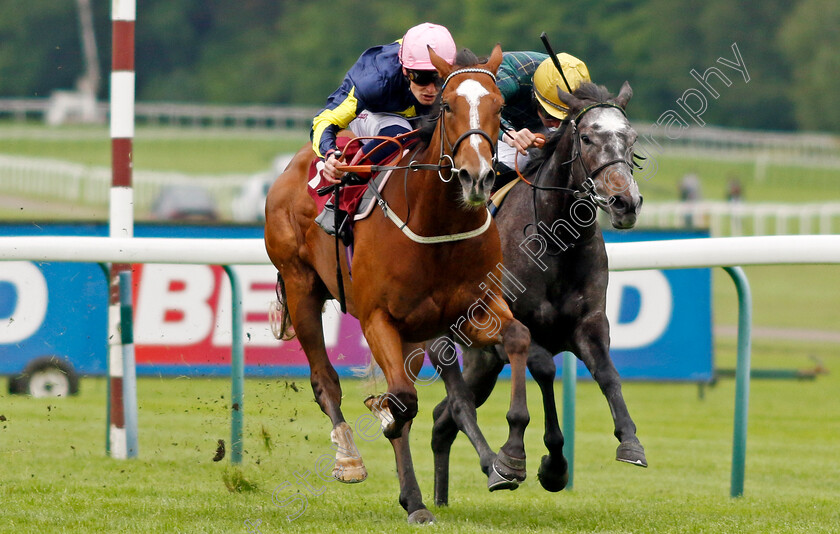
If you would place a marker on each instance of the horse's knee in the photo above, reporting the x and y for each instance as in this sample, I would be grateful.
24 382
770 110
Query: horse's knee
325 382
462 406
403 404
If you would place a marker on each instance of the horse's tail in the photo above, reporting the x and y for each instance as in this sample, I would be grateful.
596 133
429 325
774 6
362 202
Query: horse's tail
370 373
278 314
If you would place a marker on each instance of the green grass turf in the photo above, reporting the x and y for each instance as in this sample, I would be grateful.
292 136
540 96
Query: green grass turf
784 296
57 479
776 183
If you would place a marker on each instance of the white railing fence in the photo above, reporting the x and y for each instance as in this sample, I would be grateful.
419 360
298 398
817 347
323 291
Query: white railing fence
740 218
58 109
88 185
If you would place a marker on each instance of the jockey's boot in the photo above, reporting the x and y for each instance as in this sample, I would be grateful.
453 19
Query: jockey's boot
326 219
333 220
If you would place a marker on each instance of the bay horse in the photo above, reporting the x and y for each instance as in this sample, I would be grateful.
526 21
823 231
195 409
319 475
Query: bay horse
411 280
552 242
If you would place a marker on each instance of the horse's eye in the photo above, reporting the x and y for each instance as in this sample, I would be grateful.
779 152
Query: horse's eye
586 140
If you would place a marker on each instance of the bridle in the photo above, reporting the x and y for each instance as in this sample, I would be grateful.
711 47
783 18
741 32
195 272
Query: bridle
413 165
453 147
444 155
587 188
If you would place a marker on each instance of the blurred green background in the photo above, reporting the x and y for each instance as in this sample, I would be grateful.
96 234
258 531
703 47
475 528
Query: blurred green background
295 53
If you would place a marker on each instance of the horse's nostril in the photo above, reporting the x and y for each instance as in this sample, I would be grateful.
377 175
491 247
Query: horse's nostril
618 203
641 200
489 178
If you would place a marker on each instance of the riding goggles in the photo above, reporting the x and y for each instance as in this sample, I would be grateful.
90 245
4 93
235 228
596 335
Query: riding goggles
423 77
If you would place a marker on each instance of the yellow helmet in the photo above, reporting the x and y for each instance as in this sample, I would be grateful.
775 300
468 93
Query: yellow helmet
547 80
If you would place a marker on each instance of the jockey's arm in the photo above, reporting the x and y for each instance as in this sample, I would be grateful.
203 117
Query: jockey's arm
342 108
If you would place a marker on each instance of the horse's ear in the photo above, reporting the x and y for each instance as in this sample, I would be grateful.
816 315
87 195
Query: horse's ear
495 59
624 95
571 101
443 68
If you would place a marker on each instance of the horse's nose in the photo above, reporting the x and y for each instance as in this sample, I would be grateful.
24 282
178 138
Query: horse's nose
487 178
621 205
482 178
477 184
618 204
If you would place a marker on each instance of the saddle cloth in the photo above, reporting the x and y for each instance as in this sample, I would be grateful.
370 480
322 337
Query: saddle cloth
499 196
356 200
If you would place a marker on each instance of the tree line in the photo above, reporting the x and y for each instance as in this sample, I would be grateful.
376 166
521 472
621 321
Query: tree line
295 53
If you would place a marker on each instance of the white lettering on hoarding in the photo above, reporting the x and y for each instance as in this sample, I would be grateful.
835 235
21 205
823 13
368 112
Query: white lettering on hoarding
173 305
655 307
30 301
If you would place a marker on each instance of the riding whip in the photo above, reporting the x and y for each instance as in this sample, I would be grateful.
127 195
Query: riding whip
553 57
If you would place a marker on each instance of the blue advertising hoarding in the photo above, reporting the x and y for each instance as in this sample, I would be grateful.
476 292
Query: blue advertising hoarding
661 323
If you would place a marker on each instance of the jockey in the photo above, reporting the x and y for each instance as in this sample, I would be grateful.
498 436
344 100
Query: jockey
387 87
528 82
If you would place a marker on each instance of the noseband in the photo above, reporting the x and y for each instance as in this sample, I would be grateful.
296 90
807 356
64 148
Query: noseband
453 148
587 188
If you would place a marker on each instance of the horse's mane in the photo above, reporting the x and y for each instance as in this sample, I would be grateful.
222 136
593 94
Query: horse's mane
464 58
592 92
587 93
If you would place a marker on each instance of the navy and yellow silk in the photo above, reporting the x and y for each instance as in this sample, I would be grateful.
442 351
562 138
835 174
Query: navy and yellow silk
374 83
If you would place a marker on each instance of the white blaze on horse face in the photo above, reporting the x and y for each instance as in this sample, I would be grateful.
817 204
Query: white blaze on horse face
472 91
611 120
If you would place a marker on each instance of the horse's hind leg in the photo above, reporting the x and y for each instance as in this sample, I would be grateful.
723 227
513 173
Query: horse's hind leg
554 470
456 411
305 302
592 340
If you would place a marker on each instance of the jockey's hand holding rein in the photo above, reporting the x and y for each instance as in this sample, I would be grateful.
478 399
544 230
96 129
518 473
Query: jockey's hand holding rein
330 172
522 139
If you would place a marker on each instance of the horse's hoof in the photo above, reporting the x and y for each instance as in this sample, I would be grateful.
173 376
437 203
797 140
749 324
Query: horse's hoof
631 452
421 517
548 476
349 470
506 473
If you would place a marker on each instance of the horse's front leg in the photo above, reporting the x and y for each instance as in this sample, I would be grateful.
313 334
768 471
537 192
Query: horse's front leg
592 340
508 469
457 410
398 406
554 469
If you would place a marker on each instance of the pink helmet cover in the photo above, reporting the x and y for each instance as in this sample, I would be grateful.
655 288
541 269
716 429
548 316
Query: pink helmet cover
413 52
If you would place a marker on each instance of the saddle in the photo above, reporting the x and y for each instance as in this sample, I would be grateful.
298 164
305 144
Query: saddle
356 197
499 196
